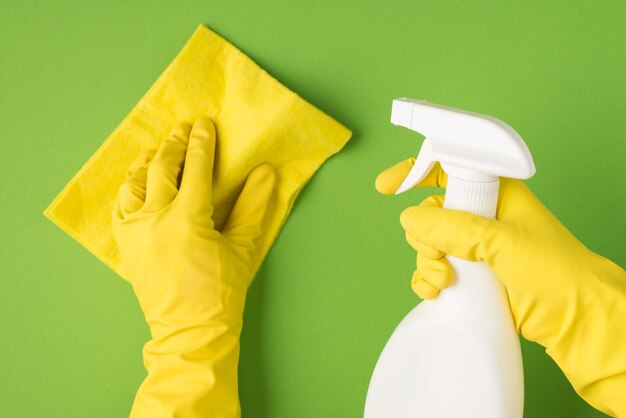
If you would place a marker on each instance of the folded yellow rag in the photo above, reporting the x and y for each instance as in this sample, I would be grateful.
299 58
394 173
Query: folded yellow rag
258 121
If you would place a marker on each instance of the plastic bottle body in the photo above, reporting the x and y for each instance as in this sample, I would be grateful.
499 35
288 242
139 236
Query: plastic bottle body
457 355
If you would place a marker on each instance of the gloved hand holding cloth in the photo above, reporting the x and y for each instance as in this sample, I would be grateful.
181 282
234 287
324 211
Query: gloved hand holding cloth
196 215
190 279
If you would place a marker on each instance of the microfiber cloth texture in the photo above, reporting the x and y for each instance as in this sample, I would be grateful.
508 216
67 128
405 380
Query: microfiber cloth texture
258 120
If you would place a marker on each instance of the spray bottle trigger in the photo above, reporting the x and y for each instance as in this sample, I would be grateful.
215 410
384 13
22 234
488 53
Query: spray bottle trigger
423 164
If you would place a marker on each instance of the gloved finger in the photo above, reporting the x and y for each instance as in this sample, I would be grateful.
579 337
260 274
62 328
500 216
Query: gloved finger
196 185
454 232
436 271
434 201
389 180
143 159
420 247
422 288
132 192
244 225
165 169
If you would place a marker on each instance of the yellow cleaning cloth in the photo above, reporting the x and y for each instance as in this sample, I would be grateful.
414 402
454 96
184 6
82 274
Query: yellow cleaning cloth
258 120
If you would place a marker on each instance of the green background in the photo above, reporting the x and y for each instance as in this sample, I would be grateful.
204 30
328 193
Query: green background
337 280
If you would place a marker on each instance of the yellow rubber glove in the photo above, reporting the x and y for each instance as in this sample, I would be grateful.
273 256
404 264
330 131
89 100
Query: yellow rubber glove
562 295
190 279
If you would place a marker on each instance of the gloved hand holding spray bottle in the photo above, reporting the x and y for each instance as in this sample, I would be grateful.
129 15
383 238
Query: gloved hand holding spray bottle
458 355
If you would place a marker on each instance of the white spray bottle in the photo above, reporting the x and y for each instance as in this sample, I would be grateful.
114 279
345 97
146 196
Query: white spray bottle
458 355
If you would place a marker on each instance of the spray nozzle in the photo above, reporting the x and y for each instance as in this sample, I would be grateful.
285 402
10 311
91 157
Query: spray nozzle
468 145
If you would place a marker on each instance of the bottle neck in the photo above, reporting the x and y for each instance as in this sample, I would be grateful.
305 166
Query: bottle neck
477 197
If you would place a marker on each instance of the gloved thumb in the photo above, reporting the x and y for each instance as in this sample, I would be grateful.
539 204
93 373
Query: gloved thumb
454 232
245 222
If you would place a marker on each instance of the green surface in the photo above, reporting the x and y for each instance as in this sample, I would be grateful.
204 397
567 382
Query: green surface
337 281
